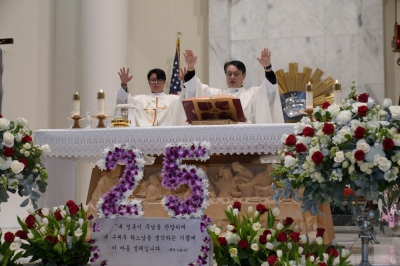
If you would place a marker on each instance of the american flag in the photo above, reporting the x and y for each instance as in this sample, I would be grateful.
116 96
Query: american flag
175 86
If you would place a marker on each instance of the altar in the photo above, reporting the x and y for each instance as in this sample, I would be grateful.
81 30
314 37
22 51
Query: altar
246 143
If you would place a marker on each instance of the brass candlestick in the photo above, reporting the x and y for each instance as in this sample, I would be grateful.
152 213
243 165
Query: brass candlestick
309 112
76 119
101 119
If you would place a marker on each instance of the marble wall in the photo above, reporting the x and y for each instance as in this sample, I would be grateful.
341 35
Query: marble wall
343 38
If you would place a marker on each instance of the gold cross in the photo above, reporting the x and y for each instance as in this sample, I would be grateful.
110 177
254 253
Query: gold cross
155 111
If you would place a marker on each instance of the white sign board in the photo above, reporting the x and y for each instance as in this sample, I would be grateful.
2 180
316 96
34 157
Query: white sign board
143 242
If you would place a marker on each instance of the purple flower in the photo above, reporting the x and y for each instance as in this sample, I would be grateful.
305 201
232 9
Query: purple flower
96 227
90 217
92 241
95 257
103 263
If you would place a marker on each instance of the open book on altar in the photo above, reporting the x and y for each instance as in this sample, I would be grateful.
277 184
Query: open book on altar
218 108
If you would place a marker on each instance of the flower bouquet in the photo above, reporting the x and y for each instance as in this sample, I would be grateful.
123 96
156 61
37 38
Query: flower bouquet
20 167
356 145
11 244
249 242
56 237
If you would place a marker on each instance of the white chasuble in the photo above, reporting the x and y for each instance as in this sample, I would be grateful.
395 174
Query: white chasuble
261 105
155 109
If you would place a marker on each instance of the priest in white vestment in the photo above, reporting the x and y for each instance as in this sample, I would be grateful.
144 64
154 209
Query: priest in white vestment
261 105
155 108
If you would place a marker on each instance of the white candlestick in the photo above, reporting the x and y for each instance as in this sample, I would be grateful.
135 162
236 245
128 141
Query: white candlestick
76 104
309 96
337 91
100 102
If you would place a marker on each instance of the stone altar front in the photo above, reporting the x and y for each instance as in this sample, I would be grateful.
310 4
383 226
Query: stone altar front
248 148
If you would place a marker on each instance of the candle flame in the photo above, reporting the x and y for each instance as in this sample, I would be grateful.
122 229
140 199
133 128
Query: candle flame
337 82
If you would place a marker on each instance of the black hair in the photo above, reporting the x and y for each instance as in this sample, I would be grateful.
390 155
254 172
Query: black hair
160 74
237 64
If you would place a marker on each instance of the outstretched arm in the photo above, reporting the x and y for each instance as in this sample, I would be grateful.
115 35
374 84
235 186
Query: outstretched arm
124 77
190 59
265 62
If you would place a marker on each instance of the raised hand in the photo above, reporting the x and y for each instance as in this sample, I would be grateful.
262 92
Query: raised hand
182 74
190 59
124 75
265 57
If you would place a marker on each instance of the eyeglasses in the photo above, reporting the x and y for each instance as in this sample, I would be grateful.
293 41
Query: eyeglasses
156 80
234 74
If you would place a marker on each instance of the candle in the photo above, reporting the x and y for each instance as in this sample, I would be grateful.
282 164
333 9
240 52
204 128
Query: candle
76 100
309 96
101 96
337 91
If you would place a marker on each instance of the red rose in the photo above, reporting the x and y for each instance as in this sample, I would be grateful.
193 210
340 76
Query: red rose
328 129
261 208
332 252
317 157
359 155
30 221
1 116
49 238
26 139
322 263
354 98
281 237
262 239
320 232
359 132
222 241
58 215
73 209
288 221
272 259
295 236
243 244
398 130
300 147
291 140
9 237
23 160
308 132
234 226
289 153
325 105
21 234
388 144
267 232
70 203
362 111
363 97
8 152
237 205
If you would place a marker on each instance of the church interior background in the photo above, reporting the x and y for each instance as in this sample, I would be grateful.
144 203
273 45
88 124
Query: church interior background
63 47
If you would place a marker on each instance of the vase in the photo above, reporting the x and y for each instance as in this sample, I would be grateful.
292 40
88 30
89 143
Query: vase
396 228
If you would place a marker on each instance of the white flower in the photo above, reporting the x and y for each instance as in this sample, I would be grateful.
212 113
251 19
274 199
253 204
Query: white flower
283 138
298 128
356 105
326 256
8 139
279 226
27 146
319 240
250 209
363 145
213 227
301 250
63 213
46 149
235 212
78 232
345 252
303 238
289 245
233 252
80 221
339 157
383 163
14 246
256 226
296 228
27 153
45 221
4 124
31 236
229 207
305 120
233 239
395 111
269 246
5 164
22 121
230 227
279 253
254 246
62 231
42 230
256 214
343 117
312 258
16 167
275 212
386 103
305 140
334 110
85 207
289 161
217 231
265 264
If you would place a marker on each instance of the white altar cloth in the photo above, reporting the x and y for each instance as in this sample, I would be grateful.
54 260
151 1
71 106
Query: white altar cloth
72 146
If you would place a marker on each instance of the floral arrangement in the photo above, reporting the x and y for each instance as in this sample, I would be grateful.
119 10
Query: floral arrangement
20 167
114 203
9 247
248 242
355 145
56 237
175 174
